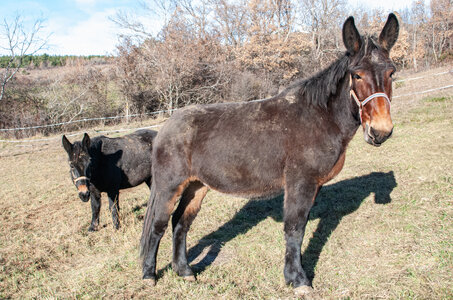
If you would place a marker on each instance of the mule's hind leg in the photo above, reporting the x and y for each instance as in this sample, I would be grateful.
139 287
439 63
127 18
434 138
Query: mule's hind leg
160 206
187 210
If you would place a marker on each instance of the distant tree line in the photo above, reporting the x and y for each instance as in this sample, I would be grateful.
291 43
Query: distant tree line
46 60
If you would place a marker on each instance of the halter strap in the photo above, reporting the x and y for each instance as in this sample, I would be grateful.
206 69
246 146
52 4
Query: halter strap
80 178
361 104
375 95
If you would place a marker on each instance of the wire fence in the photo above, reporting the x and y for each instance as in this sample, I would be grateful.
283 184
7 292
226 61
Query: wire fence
79 133
421 77
424 92
169 111
87 120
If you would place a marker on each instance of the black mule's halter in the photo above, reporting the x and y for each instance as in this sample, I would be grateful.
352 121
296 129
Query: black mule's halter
78 178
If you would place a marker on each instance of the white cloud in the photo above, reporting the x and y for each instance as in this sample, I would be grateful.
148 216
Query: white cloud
95 35
86 2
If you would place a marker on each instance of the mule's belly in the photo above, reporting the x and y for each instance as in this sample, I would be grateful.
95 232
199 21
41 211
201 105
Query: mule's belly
243 181
257 169
337 167
245 170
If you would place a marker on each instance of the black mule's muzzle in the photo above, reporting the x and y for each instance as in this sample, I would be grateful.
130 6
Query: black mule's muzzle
82 184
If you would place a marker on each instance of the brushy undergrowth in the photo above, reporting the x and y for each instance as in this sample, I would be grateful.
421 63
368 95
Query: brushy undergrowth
382 229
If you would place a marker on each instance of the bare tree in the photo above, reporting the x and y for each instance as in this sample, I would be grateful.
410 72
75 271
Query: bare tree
441 26
230 20
132 21
19 43
323 18
418 18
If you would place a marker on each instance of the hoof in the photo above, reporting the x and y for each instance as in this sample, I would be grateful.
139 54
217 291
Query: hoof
150 281
190 278
305 292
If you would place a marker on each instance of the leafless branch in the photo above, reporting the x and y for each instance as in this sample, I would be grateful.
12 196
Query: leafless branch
21 42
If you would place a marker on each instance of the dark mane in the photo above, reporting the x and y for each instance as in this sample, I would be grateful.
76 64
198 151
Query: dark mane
317 89
369 45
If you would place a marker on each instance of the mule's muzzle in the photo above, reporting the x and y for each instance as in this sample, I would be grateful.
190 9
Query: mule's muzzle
84 192
376 137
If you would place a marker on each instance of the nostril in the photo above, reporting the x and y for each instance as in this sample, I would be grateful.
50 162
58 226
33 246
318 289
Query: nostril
373 133
379 136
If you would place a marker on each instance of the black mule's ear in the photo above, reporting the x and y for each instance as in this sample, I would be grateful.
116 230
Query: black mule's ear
351 36
86 141
389 33
66 144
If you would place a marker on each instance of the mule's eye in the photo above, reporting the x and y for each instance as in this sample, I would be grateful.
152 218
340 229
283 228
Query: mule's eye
356 76
391 74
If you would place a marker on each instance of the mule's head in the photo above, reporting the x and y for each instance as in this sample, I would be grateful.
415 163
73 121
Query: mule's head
371 71
80 164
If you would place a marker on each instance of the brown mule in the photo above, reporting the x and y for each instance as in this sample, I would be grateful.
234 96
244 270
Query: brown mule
293 143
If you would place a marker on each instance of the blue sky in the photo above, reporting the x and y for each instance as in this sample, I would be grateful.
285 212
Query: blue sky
80 27
83 27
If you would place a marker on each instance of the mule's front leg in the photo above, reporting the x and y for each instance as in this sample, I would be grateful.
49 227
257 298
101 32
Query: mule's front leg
299 198
114 207
95 209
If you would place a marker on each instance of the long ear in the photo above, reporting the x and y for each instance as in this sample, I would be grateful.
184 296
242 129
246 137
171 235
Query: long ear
351 36
86 141
389 33
66 144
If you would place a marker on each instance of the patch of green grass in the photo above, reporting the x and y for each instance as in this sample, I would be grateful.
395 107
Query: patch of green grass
437 99
399 84
429 110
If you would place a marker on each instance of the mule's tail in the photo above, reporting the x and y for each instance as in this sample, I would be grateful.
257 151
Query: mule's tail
146 233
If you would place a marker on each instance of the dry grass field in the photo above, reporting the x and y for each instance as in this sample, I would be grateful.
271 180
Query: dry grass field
381 230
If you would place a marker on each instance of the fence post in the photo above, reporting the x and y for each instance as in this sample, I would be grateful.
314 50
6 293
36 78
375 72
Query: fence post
127 111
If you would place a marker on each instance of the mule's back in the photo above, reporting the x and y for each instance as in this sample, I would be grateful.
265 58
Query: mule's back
131 155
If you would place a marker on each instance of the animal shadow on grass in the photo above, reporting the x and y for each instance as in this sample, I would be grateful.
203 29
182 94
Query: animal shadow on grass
332 204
